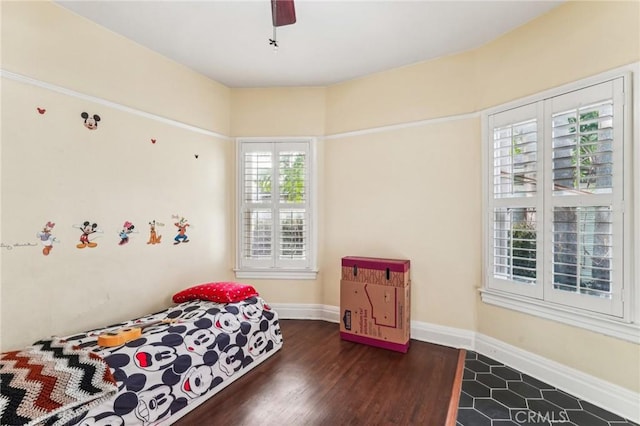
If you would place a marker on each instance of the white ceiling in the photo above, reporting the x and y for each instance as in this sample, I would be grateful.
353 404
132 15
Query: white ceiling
332 41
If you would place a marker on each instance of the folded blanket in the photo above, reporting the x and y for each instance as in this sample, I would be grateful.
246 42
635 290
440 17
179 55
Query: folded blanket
50 383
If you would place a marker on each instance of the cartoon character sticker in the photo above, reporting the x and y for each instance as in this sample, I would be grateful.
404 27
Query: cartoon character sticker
127 229
154 238
46 238
87 229
90 122
182 225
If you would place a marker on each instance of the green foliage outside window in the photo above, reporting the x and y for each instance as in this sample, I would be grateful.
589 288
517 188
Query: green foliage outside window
292 179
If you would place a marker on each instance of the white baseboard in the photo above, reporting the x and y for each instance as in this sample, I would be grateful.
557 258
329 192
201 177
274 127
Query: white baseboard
442 335
614 398
609 396
307 311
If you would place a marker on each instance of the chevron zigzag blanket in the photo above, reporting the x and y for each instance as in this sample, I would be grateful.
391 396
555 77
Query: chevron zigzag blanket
50 383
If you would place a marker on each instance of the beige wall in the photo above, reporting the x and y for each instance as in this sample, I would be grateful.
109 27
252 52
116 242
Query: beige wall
418 190
298 111
286 112
54 169
409 194
51 44
437 88
574 41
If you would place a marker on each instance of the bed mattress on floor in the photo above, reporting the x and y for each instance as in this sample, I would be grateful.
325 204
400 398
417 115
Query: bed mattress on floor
175 366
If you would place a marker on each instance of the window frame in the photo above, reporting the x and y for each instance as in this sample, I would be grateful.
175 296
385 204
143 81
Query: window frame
285 270
626 327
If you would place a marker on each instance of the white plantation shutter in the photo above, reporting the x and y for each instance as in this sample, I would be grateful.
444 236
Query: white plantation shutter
582 250
583 149
257 215
292 209
515 159
515 247
514 201
556 199
586 198
258 234
274 205
293 234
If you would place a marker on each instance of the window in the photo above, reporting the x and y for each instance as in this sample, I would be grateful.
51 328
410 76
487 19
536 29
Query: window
275 215
558 232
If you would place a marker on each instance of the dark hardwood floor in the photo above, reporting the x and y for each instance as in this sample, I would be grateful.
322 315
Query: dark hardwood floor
319 379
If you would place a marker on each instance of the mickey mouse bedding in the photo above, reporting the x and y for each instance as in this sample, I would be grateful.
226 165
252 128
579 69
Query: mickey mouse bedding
174 366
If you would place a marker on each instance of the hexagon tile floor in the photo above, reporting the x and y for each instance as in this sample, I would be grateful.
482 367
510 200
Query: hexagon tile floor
496 395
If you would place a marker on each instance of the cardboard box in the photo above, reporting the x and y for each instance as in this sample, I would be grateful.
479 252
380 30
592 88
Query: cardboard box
373 270
375 314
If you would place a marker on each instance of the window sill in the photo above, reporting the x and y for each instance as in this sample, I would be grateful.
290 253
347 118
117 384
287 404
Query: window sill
583 319
284 274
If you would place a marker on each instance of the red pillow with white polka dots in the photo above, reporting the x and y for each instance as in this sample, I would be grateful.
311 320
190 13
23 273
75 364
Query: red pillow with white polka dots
220 292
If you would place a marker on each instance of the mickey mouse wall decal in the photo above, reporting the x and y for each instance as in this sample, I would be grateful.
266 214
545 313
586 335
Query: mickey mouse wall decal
41 110
153 140
87 229
196 155
90 123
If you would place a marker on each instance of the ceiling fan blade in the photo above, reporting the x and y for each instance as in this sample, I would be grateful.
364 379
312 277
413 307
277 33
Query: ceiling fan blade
283 12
